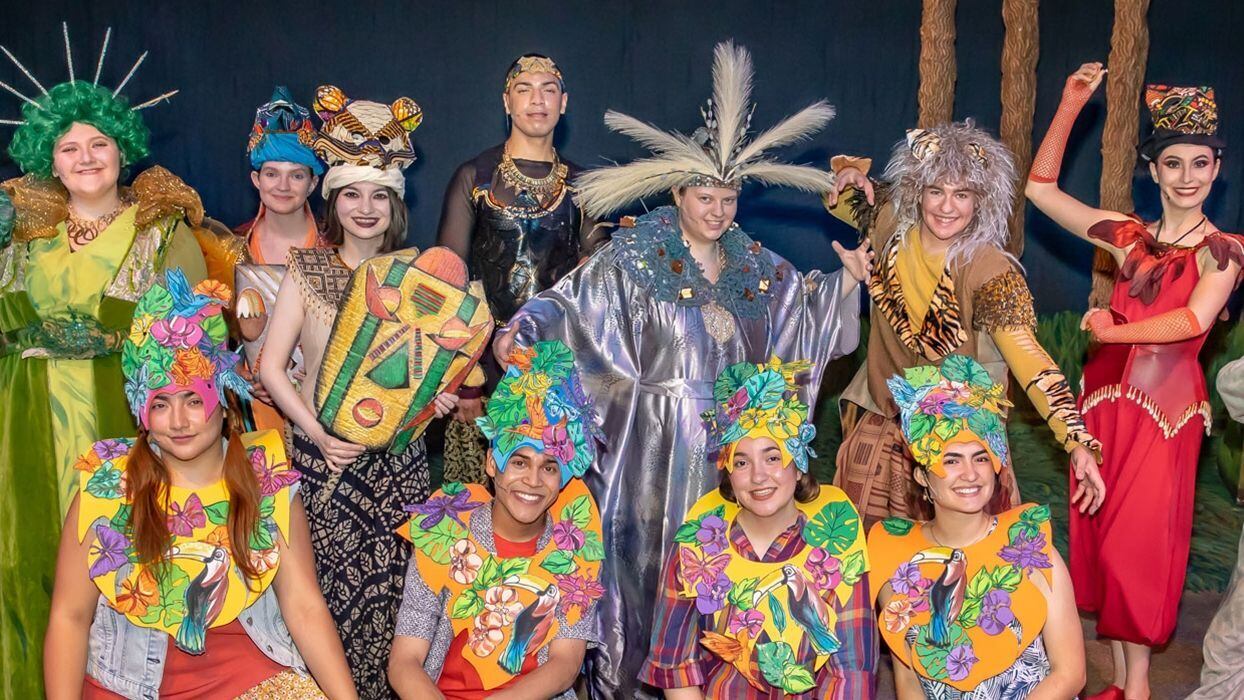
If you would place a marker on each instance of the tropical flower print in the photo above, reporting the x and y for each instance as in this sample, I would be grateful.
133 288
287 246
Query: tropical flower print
265 560
1025 552
503 601
996 612
711 597
568 536
578 591
214 289
464 562
905 578
751 620
486 634
712 535
826 570
179 332
897 614
959 662
111 449
557 443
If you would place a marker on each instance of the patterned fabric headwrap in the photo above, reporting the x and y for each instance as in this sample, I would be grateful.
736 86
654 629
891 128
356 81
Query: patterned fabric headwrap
532 63
283 133
761 401
364 141
540 403
716 155
1181 115
179 341
956 402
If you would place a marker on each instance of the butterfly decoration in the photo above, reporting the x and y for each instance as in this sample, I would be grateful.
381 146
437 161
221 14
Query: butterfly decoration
694 566
110 551
270 480
183 520
438 508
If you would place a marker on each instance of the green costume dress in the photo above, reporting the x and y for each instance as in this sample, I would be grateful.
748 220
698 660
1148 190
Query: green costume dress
63 316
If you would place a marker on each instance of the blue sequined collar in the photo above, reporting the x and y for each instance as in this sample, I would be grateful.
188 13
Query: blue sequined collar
654 256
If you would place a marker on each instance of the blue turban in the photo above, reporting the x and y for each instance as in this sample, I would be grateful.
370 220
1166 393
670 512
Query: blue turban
283 133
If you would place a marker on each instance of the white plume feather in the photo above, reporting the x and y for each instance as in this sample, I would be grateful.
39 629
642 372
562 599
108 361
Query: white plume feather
653 138
732 97
605 190
800 177
797 127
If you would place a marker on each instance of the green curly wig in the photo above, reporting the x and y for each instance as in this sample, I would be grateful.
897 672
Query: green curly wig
73 102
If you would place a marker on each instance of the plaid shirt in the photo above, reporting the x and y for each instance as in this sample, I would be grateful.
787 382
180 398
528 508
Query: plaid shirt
676 659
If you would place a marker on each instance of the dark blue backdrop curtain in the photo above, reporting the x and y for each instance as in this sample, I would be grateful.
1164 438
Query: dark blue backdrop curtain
647 59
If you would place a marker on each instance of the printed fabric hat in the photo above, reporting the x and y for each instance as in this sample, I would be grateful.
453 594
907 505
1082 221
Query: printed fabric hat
718 154
540 403
955 402
178 341
363 141
1180 115
532 63
283 133
755 401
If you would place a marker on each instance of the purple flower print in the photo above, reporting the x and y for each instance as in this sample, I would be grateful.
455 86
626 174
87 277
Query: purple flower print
712 535
111 449
905 578
566 535
959 662
995 612
750 620
711 597
557 443
1025 552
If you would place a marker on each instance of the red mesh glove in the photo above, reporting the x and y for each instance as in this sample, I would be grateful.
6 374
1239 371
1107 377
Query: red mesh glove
1049 158
1169 327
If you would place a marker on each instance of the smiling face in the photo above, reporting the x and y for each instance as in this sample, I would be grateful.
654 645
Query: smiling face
762 483
535 103
284 187
180 425
365 209
1185 172
87 162
529 485
946 209
969 480
704 213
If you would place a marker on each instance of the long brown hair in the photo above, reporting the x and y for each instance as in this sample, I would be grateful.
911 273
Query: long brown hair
147 487
394 236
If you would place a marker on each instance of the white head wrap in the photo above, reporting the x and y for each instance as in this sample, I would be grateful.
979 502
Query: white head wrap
339 176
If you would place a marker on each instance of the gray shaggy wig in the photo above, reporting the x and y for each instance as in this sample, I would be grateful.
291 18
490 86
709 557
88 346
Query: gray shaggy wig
961 154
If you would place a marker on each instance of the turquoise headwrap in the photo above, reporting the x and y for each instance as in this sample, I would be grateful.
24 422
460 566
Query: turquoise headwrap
283 133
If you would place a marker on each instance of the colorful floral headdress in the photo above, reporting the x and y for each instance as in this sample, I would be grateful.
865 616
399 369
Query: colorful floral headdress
1180 115
540 403
283 132
364 141
717 155
956 402
532 63
761 401
47 117
178 339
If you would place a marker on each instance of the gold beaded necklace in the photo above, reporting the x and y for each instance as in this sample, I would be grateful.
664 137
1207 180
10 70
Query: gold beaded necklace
540 188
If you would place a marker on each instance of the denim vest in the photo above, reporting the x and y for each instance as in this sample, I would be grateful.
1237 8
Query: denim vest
129 660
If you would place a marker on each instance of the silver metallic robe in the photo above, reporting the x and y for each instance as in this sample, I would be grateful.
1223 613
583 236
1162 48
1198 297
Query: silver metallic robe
649 363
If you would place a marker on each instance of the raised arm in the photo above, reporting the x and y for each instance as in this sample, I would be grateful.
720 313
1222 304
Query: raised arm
302 605
853 191
1042 188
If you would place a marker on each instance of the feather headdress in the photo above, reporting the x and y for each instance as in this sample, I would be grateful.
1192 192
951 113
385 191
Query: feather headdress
716 155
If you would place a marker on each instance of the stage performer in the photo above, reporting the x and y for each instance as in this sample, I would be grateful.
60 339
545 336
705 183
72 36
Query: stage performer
360 563
188 538
764 593
76 252
510 214
943 284
1144 390
509 609
973 604
660 311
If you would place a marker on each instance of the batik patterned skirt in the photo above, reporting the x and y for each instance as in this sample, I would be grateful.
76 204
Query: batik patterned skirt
359 558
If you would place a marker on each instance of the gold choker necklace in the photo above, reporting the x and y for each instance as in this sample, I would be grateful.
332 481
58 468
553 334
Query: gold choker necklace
540 188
